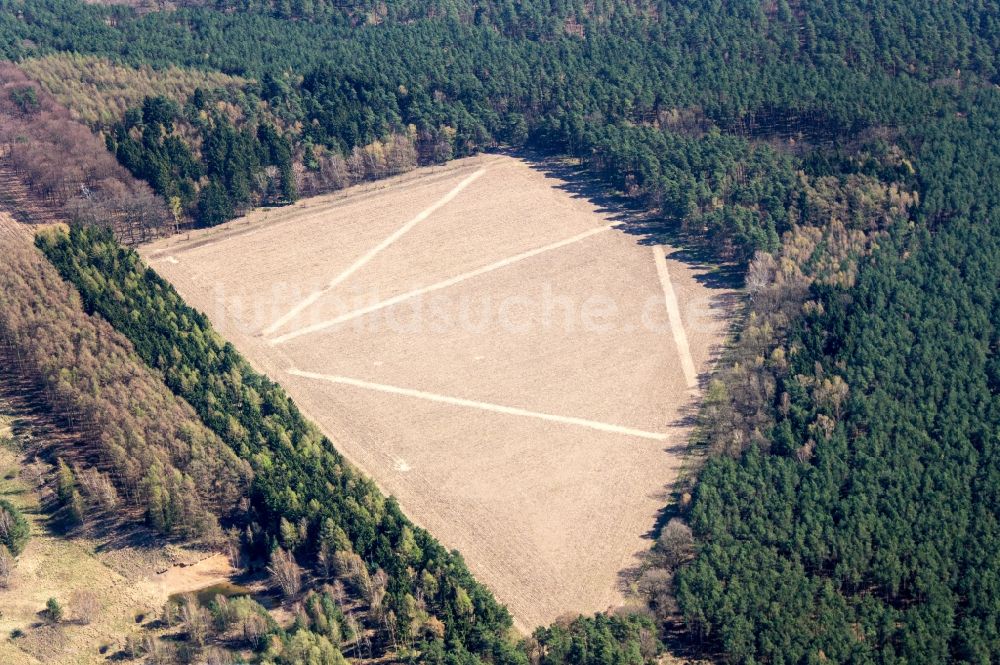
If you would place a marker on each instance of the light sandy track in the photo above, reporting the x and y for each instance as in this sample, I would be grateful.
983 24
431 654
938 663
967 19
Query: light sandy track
484 406
546 511
370 254
503 263
674 314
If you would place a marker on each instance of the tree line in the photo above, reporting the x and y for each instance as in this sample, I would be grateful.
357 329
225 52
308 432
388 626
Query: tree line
864 510
648 80
142 440
306 502
208 144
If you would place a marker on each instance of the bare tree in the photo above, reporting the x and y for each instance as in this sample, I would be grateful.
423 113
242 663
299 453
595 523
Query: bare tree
215 656
169 614
157 653
285 572
254 627
7 564
6 524
656 585
233 550
195 620
135 645
357 164
35 472
97 486
376 590
676 543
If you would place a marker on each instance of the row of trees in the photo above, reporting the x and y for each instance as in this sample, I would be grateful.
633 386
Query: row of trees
65 168
305 497
324 170
326 629
149 443
325 623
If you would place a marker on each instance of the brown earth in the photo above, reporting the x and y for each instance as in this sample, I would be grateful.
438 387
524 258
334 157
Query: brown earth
526 402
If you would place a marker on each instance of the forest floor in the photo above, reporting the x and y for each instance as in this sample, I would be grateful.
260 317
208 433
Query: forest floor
513 358
132 580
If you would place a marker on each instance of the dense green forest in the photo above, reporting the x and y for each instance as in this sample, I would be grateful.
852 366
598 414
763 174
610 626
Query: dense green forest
881 543
460 77
232 159
845 154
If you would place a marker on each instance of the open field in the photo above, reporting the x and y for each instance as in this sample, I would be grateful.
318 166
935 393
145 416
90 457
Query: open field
495 351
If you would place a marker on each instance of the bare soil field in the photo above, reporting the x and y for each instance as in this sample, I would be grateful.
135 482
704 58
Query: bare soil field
496 351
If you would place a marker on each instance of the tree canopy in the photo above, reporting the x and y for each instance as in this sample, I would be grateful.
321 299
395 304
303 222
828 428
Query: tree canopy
844 154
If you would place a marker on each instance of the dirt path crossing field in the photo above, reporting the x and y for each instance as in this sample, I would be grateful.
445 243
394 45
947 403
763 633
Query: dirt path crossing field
493 349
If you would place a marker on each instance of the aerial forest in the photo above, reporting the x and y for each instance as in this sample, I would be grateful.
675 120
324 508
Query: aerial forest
843 159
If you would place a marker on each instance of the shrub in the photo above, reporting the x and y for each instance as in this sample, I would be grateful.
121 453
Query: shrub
14 529
7 564
54 610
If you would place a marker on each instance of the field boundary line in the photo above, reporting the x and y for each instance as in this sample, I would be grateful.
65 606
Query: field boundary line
451 281
674 314
309 208
370 254
484 406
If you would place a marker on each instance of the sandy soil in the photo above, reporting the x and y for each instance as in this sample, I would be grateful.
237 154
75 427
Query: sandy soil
527 404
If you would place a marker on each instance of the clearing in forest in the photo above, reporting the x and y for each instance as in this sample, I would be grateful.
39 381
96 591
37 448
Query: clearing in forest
497 352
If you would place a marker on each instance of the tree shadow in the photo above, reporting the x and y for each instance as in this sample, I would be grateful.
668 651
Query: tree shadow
633 217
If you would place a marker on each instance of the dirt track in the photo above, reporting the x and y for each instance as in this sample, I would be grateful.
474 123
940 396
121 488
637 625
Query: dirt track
507 365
